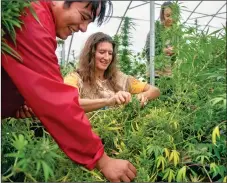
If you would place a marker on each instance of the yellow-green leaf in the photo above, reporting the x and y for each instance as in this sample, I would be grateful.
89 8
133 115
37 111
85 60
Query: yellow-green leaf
225 179
166 152
215 134
181 175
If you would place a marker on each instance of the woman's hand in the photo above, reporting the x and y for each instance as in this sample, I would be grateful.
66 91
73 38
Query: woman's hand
142 98
121 97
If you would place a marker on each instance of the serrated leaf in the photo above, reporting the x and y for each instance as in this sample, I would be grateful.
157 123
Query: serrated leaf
34 14
170 174
19 142
166 152
166 174
55 155
113 128
215 134
10 51
215 32
23 163
16 23
38 166
15 155
175 157
225 179
181 175
97 176
46 170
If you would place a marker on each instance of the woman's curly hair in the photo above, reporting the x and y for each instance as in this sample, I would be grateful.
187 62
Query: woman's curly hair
86 67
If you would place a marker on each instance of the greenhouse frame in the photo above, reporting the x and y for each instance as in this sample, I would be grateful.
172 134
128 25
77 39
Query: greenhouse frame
214 19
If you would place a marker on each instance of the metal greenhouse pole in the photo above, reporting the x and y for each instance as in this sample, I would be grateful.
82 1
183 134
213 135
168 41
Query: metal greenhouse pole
71 40
152 41
63 52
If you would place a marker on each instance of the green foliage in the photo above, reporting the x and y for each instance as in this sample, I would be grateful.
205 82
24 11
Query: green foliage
11 10
124 51
176 138
67 68
129 62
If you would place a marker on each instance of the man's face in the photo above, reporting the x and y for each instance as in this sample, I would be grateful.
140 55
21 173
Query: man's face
72 19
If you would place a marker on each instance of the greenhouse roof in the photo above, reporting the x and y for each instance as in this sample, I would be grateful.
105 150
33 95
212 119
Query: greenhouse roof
210 15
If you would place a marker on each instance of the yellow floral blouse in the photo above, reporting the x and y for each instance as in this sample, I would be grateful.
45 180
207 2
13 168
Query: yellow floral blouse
105 90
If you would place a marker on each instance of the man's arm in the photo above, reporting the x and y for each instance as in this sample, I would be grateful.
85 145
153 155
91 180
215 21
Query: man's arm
56 105
39 81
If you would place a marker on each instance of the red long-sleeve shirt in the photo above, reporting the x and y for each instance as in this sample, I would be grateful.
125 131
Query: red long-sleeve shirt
38 81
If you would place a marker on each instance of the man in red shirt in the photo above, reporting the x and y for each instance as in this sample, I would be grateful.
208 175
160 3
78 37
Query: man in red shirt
38 81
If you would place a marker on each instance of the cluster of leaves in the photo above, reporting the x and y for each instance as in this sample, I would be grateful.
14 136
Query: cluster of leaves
129 62
68 68
11 10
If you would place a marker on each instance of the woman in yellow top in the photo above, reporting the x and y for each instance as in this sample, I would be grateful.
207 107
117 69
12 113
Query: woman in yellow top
98 80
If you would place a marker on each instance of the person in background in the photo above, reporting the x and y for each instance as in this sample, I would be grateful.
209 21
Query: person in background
163 43
98 80
38 81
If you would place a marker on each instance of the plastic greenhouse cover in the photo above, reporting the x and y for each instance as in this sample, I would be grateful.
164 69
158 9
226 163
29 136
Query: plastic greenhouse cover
140 12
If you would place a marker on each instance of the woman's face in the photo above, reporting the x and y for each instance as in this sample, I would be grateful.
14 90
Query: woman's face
103 55
168 20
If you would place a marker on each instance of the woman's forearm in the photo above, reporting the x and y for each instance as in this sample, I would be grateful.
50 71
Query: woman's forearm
151 92
93 104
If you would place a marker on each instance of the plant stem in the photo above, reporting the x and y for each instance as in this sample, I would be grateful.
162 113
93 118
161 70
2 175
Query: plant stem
207 173
8 176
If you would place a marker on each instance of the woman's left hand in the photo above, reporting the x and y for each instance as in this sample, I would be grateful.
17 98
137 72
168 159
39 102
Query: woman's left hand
142 98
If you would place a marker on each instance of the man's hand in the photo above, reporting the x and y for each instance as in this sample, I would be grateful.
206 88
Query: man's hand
116 170
24 112
119 98
142 98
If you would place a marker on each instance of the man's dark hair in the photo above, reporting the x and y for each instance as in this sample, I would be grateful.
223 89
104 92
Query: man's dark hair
94 7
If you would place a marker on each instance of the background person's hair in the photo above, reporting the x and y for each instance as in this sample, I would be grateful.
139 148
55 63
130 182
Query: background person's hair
94 6
87 60
163 6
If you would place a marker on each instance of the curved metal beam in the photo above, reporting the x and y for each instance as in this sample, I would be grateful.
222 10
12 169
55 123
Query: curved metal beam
123 16
203 25
209 15
193 11
137 19
139 5
214 16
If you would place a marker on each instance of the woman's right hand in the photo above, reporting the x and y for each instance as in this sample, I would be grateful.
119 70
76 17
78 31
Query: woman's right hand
121 97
